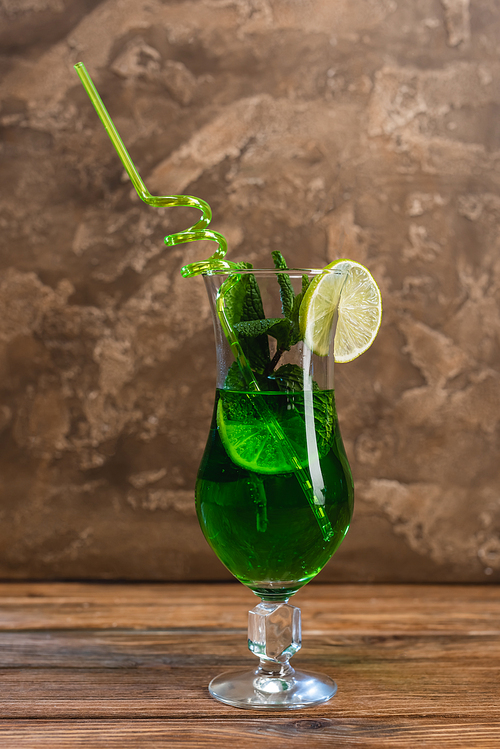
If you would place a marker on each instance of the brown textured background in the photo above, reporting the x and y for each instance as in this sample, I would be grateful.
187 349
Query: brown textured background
299 121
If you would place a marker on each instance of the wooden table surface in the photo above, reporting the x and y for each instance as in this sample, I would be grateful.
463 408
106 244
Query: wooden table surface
127 665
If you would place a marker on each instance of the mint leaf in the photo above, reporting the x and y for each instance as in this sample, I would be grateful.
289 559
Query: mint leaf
256 351
281 330
286 289
234 298
289 378
325 415
252 301
234 379
295 335
253 328
278 327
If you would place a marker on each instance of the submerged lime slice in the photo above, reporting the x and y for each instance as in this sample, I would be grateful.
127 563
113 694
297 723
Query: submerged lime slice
250 442
267 434
349 288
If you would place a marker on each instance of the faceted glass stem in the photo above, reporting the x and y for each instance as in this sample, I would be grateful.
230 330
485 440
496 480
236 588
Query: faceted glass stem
274 635
274 630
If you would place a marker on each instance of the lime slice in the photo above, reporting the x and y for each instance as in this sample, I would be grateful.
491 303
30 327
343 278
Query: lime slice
247 424
350 287
248 440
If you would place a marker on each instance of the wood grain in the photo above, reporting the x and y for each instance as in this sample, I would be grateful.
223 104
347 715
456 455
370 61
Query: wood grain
326 608
312 733
128 665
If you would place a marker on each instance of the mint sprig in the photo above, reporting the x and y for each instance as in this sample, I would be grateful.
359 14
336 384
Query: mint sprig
245 311
290 305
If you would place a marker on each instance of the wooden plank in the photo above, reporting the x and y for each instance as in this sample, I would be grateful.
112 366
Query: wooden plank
370 609
248 732
119 675
118 649
369 691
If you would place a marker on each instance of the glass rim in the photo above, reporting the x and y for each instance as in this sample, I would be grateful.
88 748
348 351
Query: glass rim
273 271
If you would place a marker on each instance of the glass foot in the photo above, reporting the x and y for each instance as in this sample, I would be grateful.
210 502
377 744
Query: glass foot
256 690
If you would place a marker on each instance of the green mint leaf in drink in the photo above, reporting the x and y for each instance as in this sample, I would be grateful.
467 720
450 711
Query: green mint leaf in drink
256 351
278 327
282 331
286 289
254 328
290 301
289 378
234 379
325 415
234 298
252 302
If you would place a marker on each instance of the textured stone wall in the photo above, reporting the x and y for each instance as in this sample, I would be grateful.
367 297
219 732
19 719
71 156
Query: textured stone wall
303 123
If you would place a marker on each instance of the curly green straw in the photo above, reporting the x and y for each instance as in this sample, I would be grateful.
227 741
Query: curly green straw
195 233
214 264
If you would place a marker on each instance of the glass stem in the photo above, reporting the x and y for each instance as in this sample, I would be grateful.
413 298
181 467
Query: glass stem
274 635
273 670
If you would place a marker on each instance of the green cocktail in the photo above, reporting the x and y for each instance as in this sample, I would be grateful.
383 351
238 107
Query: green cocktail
274 493
250 505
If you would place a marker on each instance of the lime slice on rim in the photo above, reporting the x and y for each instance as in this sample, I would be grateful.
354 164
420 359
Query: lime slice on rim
350 287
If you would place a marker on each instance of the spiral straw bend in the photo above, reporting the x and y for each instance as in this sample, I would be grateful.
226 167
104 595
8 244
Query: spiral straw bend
196 233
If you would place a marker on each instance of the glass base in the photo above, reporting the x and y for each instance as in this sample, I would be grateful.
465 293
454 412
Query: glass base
256 690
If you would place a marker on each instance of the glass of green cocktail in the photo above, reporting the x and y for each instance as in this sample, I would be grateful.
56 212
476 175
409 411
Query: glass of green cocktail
274 493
